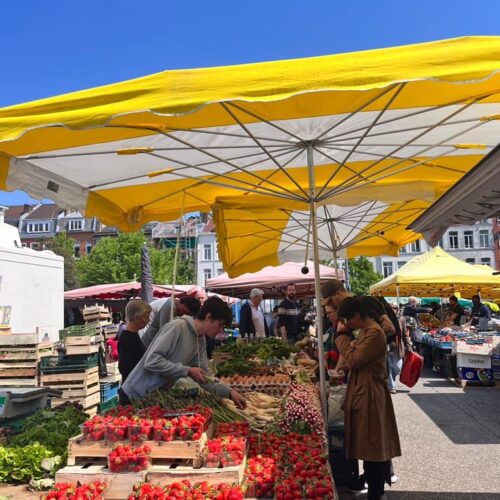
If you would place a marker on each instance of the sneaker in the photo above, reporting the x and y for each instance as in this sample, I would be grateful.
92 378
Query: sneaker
393 391
357 485
394 479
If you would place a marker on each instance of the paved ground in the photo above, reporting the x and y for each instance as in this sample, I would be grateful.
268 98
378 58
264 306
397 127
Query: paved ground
450 440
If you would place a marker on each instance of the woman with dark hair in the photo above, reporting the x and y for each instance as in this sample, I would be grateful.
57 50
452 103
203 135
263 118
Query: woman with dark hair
370 423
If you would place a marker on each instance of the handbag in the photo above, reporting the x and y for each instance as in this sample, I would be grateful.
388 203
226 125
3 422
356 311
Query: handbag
412 369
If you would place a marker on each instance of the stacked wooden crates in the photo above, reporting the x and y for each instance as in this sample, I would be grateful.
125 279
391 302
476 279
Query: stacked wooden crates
97 316
76 373
20 355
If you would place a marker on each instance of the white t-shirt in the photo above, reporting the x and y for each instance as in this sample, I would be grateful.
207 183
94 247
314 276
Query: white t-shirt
258 321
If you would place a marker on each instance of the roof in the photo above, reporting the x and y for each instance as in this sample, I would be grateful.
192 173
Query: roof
45 211
15 211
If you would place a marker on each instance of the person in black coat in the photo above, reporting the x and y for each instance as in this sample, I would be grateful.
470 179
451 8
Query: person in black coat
252 320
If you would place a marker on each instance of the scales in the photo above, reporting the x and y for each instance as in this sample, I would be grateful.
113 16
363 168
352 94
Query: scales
21 401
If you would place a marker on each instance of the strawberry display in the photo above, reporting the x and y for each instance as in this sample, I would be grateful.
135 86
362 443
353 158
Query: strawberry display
163 429
241 429
117 429
226 450
140 429
189 427
125 458
184 489
69 491
94 429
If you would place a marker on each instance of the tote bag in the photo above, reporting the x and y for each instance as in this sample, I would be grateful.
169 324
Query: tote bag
412 368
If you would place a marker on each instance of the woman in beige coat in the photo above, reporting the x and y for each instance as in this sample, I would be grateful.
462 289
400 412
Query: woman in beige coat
370 423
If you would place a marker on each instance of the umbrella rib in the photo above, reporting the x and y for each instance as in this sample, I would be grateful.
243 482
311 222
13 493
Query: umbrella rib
393 97
358 110
356 224
264 120
271 157
353 181
414 113
379 155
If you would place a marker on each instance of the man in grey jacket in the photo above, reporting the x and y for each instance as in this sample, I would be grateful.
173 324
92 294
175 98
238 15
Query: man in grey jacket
162 314
178 351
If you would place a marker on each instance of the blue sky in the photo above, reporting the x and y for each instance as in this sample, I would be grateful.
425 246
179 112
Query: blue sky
51 47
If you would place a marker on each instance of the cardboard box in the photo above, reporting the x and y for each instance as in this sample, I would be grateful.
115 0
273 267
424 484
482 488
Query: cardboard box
473 361
461 347
495 362
496 376
471 374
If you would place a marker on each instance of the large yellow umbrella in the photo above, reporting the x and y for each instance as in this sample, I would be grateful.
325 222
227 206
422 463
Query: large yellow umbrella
391 127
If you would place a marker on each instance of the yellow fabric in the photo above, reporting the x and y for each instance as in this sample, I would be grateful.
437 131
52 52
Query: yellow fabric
438 274
411 78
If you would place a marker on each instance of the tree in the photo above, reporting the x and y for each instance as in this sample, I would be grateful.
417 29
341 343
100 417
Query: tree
362 275
61 245
118 260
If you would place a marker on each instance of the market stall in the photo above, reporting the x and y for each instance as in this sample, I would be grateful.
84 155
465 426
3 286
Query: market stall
273 280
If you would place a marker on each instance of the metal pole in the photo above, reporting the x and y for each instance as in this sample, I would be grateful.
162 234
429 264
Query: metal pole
317 278
346 271
397 295
176 258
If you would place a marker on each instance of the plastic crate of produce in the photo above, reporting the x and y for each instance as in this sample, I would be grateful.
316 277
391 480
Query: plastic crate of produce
77 331
75 363
108 405
109 390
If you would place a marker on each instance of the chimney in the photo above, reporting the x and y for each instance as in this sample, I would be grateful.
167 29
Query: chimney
3 210
26 208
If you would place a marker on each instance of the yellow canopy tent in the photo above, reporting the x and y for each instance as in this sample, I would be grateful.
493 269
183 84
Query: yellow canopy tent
394 128
439 274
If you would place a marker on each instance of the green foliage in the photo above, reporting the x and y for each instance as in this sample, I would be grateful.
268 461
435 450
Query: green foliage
362 275
64 246
118 260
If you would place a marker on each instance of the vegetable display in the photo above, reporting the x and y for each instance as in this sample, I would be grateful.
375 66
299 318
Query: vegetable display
69 491
260 411
184 489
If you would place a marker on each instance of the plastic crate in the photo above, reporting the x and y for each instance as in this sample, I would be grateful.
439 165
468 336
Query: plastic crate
109 390
108 405
75 363
77 331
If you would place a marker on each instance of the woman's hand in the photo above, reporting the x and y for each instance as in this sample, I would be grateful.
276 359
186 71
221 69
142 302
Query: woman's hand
342 328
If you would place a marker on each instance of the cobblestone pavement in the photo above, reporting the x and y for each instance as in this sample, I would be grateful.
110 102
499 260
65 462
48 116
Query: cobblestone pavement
450 439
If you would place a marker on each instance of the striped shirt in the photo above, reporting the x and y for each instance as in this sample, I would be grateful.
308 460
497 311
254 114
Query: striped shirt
288 316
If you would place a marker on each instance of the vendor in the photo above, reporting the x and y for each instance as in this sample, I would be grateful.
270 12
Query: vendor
179 350
456 311
480 312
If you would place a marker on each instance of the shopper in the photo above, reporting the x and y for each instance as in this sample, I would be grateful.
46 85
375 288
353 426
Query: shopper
481 313
370 423
130 348
162 314
179 350
252 320
288 316
456 311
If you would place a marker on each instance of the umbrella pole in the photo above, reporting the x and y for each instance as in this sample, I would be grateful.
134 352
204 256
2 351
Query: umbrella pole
317 277
176 258
397 295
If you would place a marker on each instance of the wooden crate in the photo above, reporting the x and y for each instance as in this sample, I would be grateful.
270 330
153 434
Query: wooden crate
19 358
73 380
81 392
120 485
85 401
81 349
192 451
85 340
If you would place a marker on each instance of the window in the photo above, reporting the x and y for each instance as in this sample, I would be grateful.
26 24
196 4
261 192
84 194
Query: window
77 251
486 261
208 274
35 245
401 263
207 252
387 269
415 246
484 238
453 239
75 225
470 261
220 271
88 248
468 239
403 250
38 227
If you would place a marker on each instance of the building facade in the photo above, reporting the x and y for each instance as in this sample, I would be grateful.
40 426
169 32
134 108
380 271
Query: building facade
474 244
208 263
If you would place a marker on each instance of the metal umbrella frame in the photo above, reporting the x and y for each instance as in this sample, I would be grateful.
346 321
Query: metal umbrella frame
293 135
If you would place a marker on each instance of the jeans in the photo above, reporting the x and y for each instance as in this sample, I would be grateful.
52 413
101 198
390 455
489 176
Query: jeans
394 365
